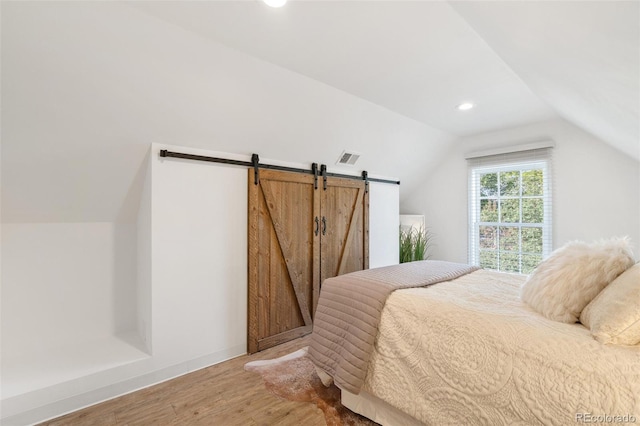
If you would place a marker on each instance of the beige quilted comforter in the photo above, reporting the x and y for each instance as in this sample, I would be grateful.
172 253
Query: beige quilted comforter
348 313
469 352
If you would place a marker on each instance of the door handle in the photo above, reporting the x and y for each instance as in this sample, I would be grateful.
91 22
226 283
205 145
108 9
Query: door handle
324 225
317 226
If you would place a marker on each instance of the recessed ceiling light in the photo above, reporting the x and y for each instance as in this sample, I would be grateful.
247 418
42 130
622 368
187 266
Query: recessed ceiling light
465 106
275 3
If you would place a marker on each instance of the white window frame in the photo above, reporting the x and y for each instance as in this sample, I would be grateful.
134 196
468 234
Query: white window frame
505 164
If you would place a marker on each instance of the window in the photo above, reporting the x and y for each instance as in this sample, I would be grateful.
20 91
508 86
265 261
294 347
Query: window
510 210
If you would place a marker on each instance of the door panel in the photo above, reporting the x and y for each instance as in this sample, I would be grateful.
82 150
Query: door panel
283 277
345 243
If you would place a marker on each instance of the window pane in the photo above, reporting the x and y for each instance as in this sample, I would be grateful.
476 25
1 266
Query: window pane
510 183
489 185
489 259
510 211
488 210
509 238
532 240
488 237
509 262
532 210
529 262
532 182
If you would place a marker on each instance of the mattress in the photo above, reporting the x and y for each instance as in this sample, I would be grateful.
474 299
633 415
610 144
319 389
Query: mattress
470 352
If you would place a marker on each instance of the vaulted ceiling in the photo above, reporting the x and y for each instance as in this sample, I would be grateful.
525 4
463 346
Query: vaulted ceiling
518 61
86 86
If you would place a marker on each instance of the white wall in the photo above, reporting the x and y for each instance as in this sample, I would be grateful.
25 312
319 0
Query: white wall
65 282
199 257
384 223
596 189
143 256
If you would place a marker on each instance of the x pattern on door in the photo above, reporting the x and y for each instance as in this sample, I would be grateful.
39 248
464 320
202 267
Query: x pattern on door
291 249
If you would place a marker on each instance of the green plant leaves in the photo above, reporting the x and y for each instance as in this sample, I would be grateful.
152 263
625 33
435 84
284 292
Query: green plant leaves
414 244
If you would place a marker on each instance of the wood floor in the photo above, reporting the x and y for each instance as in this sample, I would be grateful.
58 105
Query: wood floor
223 394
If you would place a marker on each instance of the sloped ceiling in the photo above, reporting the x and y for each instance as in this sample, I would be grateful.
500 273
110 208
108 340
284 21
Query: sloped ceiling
420 59
86 86
519 61
581 58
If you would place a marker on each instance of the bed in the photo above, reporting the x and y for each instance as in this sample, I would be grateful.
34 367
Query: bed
468 351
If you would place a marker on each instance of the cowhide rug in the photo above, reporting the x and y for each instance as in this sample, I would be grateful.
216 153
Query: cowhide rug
293 377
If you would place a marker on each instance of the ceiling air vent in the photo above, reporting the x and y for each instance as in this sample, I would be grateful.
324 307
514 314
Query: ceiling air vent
348 158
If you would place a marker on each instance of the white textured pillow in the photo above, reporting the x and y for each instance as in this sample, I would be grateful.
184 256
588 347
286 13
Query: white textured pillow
614 315
563 284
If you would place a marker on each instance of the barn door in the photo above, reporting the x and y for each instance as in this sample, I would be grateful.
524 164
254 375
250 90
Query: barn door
344 227
283 257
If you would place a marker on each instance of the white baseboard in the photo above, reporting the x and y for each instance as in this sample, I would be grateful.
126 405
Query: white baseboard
44 404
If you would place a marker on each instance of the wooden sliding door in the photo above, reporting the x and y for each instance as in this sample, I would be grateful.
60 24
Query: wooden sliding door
299 234
283 250
345 237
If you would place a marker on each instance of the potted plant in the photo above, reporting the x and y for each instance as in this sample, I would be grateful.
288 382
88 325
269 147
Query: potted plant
414 243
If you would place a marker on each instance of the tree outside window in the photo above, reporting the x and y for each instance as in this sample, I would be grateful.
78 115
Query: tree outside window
510 216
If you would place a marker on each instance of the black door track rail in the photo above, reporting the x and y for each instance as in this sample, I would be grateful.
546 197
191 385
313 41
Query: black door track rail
256 165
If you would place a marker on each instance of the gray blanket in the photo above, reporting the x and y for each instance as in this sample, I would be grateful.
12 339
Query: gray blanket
349 309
